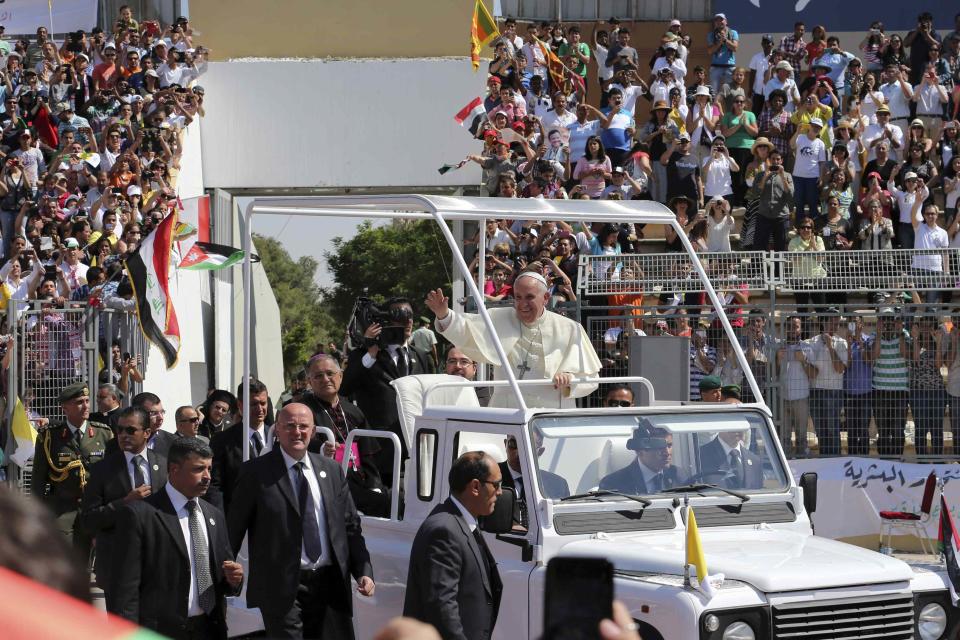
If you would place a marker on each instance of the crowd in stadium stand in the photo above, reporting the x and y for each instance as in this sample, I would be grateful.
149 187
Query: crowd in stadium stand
91 144
812 145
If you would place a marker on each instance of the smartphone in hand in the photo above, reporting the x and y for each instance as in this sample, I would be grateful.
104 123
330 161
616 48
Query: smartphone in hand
579 594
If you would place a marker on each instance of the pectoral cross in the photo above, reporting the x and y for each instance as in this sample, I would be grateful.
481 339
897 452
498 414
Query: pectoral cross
523 368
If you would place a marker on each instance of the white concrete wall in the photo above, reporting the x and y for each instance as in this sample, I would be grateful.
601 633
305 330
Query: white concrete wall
321 123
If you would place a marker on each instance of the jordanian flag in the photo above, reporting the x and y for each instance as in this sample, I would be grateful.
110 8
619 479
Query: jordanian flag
149 270
206 256
483 29
950 546
31 611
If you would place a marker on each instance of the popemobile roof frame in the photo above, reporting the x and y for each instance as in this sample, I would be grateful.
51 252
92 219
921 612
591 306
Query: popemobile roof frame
442 209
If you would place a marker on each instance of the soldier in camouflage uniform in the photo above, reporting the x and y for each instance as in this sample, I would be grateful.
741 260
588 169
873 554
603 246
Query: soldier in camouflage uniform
62 458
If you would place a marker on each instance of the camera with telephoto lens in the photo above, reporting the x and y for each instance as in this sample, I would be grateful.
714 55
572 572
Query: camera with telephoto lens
393 319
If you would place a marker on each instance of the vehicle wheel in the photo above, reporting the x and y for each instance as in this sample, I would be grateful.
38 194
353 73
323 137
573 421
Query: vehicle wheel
647 632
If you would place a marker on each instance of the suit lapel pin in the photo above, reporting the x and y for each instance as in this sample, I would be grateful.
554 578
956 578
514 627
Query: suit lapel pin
156 467
749 462
212 523
323 474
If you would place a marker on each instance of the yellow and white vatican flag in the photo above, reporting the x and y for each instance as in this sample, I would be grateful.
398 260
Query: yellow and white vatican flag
703 581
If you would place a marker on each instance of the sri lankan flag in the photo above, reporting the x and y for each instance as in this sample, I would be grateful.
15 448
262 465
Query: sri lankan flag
483 29
558 71
31 611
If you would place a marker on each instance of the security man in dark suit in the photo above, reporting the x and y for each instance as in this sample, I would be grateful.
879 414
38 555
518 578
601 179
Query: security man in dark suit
304 536
725 460
132 473
385 355
651 471
552 485
65 453
452 581
159 441
227 446
172 564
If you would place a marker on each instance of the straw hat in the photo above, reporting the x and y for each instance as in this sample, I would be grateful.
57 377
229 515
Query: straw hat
761 142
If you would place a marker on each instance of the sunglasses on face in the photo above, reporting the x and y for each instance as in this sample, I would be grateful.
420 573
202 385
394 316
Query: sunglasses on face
130 431
618 403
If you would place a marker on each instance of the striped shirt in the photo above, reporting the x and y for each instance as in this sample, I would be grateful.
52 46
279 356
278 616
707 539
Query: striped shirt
696 373
890 372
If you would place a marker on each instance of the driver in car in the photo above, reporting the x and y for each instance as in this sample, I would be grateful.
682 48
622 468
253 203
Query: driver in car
651 471
726 459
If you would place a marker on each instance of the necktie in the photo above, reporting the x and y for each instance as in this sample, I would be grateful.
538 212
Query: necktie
402 368
656 483
257 442
78 436
484 552
521 500
311 530
201 559
138 479
736 466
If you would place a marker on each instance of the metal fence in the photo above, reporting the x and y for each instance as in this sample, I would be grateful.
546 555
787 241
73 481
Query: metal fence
891 387
787 272
573 10
53 347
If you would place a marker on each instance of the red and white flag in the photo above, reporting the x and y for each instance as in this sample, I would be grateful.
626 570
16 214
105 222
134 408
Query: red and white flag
472 116
149 270
196 213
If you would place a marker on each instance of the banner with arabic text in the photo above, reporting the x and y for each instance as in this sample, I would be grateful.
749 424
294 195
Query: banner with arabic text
852 491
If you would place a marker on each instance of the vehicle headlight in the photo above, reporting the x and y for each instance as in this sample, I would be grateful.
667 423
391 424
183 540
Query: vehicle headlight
932 622
743 631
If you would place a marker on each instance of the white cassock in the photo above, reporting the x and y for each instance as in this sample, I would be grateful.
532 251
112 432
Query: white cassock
538 351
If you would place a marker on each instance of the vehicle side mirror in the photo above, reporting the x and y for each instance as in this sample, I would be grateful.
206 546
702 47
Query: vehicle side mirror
808 482
501 520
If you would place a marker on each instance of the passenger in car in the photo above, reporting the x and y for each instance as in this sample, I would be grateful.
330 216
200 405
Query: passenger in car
726 459
652 470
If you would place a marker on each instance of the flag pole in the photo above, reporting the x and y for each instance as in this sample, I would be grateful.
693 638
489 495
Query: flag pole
50 12
686 542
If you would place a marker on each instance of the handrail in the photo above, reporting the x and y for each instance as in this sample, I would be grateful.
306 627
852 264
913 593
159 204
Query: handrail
539 383
395 481
784 271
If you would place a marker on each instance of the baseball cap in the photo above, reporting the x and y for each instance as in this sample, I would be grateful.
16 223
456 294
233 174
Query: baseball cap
675 23
493 80
64 106
134 190
783 64
151 72
715 16
917 122
71 243
670 45
910 175
766 38
816 122
618 170
684 136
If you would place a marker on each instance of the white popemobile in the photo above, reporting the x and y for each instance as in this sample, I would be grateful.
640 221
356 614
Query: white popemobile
781 580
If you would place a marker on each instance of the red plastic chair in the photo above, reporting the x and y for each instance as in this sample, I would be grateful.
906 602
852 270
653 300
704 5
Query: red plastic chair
890 520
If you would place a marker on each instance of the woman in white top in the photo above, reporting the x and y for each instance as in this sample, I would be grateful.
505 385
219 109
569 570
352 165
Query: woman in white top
719 225
913 188
717 168
870 98
702 121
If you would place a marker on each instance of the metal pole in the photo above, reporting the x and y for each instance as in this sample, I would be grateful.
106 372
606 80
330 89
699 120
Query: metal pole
686 556
247 295
12 375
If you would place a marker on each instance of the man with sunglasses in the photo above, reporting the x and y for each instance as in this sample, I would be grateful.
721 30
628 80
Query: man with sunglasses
652 470
619 395
551 485
131 473
188 424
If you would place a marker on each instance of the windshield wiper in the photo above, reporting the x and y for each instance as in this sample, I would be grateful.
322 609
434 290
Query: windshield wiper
597 493
701 486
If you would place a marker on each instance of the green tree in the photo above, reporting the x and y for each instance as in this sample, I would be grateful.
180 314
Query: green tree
304 320
404 258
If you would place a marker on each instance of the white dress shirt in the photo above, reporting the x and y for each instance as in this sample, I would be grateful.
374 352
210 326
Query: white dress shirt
179 506
319 512
144 467
471 521
394 351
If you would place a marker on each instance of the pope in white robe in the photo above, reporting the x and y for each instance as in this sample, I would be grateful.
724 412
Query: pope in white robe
540 345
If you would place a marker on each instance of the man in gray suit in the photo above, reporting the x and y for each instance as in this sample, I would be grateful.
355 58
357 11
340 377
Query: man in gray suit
453 582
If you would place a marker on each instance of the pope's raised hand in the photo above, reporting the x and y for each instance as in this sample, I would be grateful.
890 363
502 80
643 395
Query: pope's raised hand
438 303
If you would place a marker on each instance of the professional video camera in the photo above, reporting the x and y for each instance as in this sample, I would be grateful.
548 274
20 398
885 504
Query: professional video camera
393 321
